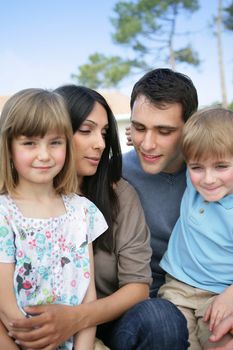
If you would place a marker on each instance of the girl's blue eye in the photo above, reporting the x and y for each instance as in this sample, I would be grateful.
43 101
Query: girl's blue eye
57 142
28 143
222 166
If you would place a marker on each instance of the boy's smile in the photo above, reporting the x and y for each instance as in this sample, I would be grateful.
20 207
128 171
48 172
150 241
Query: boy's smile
213 179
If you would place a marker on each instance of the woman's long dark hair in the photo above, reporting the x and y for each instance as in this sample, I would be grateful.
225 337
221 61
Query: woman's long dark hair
99 188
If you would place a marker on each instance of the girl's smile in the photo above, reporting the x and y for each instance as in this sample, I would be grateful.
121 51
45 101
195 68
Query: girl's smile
38 159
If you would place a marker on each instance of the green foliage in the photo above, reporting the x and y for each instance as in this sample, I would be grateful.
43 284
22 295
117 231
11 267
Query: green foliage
187 55
102 71
231 106
148 28
147 19
228 17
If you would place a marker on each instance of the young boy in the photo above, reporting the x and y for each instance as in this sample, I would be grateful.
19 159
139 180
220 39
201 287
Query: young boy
199 256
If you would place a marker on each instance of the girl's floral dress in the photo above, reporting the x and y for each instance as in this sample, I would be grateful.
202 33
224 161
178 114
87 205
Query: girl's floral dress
50 255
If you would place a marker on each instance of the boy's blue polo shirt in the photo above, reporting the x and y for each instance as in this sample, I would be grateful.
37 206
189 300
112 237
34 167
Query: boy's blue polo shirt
200 249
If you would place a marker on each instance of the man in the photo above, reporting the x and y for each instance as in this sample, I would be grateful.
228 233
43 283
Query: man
161 102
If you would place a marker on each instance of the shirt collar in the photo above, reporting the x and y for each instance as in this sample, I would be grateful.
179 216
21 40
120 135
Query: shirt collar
227 201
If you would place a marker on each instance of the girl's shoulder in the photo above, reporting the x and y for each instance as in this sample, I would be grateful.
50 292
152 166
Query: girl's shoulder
3 197
6 210
4 202
78 201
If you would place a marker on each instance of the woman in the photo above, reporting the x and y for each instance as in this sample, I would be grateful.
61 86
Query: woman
122 254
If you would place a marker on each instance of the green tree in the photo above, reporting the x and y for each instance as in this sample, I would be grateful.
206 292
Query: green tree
149 29
228 24
102 71
219 22
231 106
228 17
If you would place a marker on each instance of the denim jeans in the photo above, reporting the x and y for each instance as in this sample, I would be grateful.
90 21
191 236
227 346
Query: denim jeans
153 324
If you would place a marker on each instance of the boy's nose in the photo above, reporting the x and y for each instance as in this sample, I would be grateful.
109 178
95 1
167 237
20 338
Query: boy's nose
209 177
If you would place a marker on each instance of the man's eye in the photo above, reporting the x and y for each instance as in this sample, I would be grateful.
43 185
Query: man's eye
165 131
139 128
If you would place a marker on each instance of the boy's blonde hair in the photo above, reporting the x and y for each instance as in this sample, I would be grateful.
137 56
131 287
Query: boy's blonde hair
35 112
208 133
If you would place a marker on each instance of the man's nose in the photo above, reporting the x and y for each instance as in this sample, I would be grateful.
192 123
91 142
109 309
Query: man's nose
149 141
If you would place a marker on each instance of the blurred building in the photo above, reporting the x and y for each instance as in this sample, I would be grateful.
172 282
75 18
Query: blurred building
2 101
120 105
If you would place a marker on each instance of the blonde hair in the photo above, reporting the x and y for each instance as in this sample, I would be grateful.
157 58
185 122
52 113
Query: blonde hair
35 112
208 133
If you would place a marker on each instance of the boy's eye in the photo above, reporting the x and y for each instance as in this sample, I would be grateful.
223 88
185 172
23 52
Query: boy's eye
194 167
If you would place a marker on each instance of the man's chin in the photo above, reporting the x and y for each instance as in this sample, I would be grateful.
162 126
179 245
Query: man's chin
151 168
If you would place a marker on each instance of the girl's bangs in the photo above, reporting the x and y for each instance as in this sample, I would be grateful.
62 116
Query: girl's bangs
39 120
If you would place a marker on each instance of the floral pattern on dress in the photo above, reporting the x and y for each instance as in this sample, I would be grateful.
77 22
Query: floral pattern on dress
50 255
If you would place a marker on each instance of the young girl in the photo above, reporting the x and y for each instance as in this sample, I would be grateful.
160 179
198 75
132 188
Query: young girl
45 229
121 254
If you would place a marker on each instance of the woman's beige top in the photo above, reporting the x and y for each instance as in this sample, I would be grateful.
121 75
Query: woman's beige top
130 262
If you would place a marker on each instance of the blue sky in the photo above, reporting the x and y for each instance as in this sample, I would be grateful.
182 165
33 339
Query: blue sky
43 42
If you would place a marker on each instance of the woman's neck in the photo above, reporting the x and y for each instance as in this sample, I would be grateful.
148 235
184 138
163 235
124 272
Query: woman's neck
80 181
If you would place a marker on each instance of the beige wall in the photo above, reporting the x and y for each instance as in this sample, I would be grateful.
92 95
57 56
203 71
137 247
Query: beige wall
122 122
120 106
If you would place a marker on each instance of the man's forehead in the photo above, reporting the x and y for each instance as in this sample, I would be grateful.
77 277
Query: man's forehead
156 120
142 100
